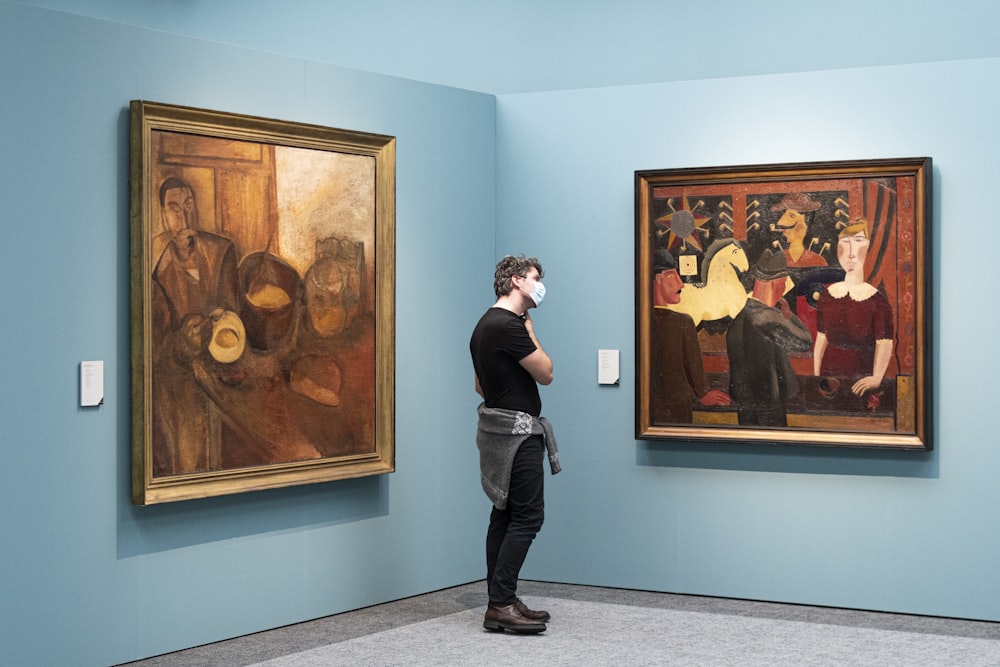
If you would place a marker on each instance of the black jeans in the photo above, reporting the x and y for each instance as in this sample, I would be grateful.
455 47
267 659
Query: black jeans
513 528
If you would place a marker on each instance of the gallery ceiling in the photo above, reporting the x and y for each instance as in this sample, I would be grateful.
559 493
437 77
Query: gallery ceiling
519 46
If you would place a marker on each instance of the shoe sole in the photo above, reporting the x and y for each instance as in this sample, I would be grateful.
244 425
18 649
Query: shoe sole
533 629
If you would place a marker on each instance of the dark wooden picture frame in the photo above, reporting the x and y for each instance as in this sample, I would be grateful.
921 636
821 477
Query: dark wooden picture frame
262 296
785 304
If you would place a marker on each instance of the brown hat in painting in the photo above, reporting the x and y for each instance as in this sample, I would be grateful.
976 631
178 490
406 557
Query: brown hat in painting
799 201
318 377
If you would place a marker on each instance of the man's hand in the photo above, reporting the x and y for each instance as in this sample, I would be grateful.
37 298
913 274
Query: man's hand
715 397
538 364
529 324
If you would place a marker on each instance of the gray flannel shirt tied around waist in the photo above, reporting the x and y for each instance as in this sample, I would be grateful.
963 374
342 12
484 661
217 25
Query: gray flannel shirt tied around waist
499 435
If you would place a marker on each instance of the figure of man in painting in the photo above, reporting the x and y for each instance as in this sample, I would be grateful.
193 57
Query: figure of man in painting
798 209
793 225
761 336
194 289
854 319
194 270
677 376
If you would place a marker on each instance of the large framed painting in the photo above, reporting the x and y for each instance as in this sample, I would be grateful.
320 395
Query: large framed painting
262 296
785 304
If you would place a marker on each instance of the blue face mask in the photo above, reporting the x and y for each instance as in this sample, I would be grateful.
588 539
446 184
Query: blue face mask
538 293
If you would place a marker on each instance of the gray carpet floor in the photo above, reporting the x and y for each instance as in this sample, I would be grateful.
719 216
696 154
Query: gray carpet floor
602 626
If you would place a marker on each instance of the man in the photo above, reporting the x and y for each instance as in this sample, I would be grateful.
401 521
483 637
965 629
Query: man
194 271
512 437
761 379
194 275
677 375
798 211
794 224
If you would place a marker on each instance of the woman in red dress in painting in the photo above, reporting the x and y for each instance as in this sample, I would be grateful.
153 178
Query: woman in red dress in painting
853 319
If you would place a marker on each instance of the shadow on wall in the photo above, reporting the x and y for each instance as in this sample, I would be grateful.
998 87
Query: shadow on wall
789 458
154 528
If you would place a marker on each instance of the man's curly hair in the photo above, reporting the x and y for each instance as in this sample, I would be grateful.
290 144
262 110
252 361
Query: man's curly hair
510 266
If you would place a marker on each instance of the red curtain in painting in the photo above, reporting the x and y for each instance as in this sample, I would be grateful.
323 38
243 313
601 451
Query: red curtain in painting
880 208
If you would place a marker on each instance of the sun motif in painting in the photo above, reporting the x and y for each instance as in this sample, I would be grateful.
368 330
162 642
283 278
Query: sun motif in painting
683 227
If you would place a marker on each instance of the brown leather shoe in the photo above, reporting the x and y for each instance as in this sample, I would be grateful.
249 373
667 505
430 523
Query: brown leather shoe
499 619
531 614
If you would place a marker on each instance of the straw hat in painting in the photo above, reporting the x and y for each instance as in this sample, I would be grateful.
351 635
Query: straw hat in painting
229 338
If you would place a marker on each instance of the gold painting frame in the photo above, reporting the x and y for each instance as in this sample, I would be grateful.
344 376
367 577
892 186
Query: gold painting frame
785 304
262 303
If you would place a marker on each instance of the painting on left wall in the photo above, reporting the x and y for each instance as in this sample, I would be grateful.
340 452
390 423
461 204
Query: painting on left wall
262 296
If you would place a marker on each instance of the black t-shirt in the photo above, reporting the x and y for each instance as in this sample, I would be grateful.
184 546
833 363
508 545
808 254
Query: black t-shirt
498 344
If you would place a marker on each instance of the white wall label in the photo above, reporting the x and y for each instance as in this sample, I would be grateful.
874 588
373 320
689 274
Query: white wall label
607 367
91 383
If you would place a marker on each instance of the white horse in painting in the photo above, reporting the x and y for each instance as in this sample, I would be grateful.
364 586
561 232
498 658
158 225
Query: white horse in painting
721 293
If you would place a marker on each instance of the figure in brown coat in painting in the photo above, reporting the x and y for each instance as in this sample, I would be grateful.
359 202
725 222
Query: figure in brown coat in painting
194 282
677 376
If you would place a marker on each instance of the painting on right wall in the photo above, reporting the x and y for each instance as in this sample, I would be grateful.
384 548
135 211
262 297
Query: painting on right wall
784 304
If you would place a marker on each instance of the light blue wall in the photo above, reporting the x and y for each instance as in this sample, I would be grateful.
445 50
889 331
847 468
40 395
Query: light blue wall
87 579
909 532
